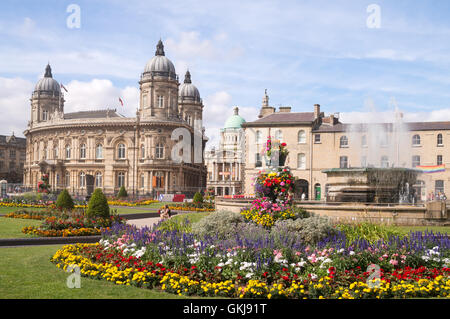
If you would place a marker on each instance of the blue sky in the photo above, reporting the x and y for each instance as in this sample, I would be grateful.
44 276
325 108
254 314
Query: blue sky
302 52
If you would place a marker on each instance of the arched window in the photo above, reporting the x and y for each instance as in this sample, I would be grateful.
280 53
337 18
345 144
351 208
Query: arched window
55 152
279 135
159 151
99 151
83 151
68 151
258 137
160 101
384 161
416 139
98 179
121 151
301 137
343 141
82 180
120 179
142 180
44 115
301 161
142 151
440 139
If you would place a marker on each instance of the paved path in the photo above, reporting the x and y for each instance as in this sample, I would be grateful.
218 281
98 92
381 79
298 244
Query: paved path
142 222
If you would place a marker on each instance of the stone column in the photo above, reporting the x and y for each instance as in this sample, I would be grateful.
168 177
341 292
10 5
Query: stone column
223 171
166 181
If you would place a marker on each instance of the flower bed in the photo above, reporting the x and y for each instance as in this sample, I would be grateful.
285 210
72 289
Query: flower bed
115 202
252 266
190 209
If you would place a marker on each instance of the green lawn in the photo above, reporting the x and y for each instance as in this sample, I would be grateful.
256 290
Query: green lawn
12 227
406 229
26 272
6 210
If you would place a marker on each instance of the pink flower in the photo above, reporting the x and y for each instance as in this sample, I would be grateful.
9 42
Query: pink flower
393 262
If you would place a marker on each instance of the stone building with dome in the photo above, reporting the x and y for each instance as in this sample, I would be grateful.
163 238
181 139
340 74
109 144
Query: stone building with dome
104 149
226 164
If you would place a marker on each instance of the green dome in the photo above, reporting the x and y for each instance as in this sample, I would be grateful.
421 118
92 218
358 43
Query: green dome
234 121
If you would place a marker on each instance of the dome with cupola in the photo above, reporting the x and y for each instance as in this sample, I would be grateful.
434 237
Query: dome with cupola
188 91
47 84
160 65
235 121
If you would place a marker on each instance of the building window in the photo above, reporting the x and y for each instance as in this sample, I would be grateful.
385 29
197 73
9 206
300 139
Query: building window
160 101
12 166
438 187
67 151
363 141
415 160
301 161
343 141
439 160
159 151
12 153
82 180
142 151
55 153
121 151
2 154
301 137
363 161
99 151
384 140
44 115
316 138
416 140
279 135
142 180
83 151
258 137
440 140
158 180
67 179
120 179
343 162
144 100
44 153
98 180
384 161
258 162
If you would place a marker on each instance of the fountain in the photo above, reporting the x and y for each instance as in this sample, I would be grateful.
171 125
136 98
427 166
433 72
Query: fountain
383 176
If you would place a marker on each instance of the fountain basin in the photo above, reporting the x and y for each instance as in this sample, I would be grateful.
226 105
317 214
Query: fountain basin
371 184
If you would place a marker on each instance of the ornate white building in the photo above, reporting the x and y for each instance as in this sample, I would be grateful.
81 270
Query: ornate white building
226 164
103 149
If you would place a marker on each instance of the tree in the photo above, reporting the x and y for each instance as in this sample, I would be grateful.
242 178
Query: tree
64 201
98 205
122 192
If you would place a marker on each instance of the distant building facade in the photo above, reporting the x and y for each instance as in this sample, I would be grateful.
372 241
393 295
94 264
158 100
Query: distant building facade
103 149
12 158
225 164
317 142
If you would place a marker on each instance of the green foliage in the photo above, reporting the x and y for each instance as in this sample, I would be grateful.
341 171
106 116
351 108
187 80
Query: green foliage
122 192
223 223
98 205
368 231
198 198
64 201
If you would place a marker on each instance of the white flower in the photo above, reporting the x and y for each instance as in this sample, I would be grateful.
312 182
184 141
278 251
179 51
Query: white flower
425 258
351 253
313 276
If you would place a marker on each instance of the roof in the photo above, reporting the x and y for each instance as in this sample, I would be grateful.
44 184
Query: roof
92 114
12 140
284 118
361 127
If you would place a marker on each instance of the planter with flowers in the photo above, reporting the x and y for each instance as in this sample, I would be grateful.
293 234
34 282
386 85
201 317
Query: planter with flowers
273 188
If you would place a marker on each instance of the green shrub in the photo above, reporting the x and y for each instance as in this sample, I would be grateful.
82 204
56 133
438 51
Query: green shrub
368 231
198 199
223 223
98 205
310 230
64 201
122 192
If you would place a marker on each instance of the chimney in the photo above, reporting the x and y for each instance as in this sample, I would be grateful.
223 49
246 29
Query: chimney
332 119
316 111
285 109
